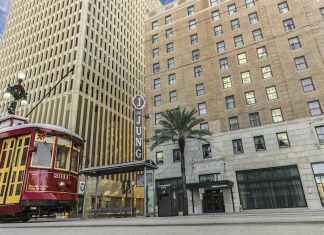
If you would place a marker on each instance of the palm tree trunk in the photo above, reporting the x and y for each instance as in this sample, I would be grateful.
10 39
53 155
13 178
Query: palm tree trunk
184 181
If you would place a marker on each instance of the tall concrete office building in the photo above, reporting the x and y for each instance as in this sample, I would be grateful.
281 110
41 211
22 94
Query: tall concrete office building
103 41
253 69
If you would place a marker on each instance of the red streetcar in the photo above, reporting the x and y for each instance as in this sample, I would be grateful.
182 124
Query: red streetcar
39 168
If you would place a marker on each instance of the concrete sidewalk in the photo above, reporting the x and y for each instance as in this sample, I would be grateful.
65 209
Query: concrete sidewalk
251 217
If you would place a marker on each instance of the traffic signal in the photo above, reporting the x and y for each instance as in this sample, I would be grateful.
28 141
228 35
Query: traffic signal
123 187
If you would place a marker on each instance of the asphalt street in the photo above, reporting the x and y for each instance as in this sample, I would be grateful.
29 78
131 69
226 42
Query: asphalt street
268 223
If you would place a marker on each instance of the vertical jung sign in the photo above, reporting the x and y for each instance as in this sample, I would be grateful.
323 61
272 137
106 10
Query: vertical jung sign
138 103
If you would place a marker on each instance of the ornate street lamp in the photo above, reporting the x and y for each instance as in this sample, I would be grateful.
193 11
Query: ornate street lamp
18 93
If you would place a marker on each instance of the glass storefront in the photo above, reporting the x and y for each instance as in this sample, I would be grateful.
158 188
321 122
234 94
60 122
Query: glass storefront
318 170
278 187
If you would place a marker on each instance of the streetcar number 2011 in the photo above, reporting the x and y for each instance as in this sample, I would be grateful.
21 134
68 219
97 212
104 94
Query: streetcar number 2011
61 176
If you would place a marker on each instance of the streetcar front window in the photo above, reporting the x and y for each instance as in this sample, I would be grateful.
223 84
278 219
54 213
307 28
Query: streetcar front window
62 154
43 156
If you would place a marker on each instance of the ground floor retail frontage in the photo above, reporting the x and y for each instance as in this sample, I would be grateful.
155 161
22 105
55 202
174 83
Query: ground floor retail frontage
270 167
265 188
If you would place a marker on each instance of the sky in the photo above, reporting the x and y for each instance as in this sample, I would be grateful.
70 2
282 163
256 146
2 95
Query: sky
4 10
166 1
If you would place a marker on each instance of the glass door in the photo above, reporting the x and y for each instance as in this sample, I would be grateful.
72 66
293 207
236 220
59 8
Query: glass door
18 170
13 160
5 165
213 201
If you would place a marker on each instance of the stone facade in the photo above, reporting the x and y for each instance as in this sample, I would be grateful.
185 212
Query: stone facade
304 150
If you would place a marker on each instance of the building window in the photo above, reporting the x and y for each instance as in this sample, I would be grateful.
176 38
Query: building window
320 133
223 63
227 83
278 187
294 43
259 143
168 33
233 123
194 39
283 140
215 15
195 55
198 71
218 30
262 53
156 52
158 118
171 63
253 18
242 58
209 177
257 35
315 108
289 25
202 109
307 84
156 67
301 63
235 24
266 72
249 3
220 47
322 12
206 151
192 24
168 20
155 38
254 119
250 98
318 170
238 41
230 102
272 93
172 79
157 100
157 83
176 155
237 146
246 77
231 9
276 115
159 157
200 89
155 25
204 126
173 96
169 47
283 7
213 2
191 10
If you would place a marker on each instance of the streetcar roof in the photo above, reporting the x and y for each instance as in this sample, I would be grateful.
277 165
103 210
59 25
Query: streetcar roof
44 126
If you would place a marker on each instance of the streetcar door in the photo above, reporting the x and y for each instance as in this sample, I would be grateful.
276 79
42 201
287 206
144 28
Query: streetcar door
7 150
18 170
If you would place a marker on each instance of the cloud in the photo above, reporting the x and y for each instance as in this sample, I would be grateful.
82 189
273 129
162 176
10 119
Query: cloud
4 11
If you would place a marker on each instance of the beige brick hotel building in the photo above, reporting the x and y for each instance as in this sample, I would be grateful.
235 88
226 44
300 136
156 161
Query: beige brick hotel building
253 69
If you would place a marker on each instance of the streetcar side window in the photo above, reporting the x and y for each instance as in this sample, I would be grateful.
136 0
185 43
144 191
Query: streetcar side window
62 154
43 156
74 160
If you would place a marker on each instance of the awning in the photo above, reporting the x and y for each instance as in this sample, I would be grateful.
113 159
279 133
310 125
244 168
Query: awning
125 167
211 184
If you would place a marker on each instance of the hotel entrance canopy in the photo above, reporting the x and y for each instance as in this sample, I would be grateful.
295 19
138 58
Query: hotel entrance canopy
219 184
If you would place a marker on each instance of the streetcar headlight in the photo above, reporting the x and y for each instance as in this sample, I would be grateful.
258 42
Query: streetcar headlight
61 185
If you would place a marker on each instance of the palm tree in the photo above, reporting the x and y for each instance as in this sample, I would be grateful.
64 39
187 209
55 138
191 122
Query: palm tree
177 126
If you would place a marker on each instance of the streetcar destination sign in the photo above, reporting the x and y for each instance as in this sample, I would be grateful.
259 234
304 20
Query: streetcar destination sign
138 103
